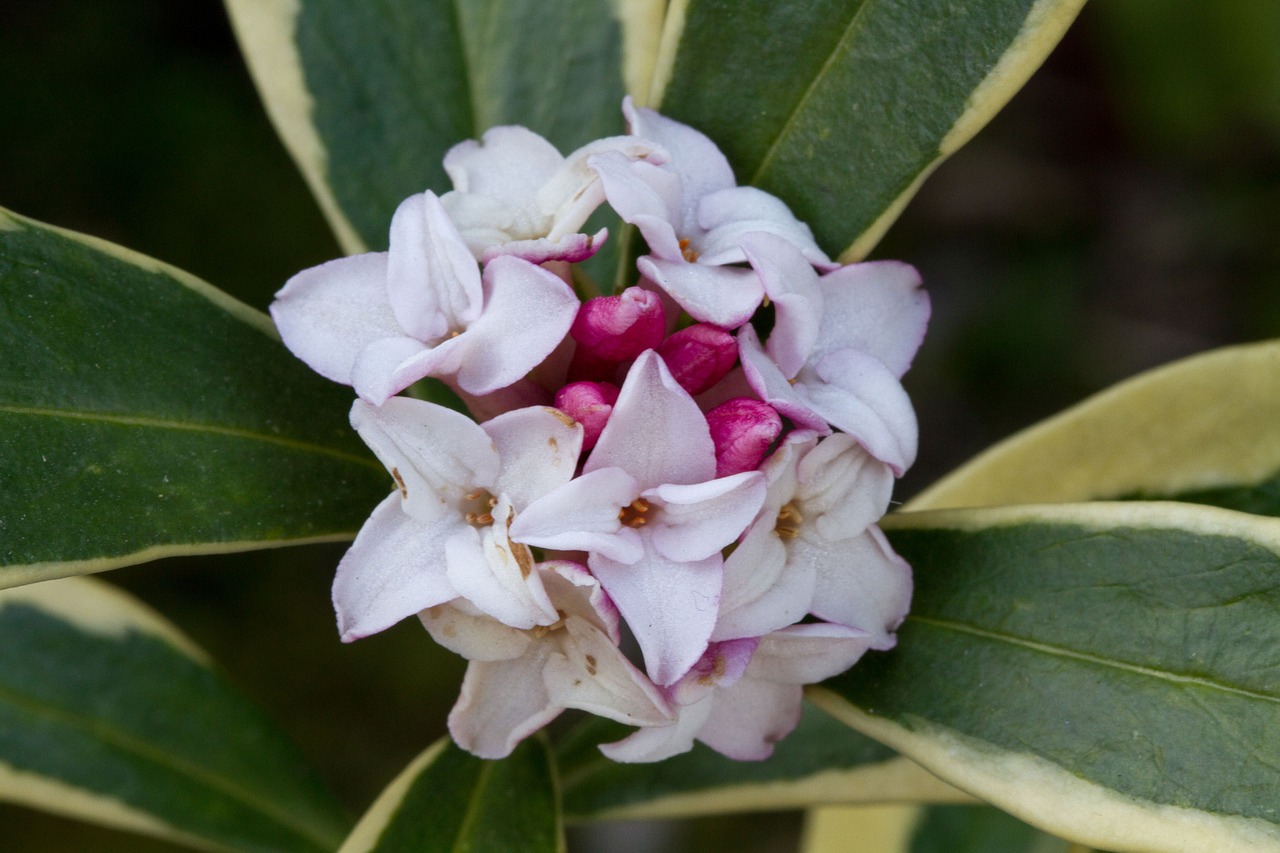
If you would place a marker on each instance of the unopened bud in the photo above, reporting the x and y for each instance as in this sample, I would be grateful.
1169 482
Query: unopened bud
590 404
699 356
742 430
619 328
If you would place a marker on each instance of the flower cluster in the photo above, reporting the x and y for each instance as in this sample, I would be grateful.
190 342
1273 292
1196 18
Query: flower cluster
694 466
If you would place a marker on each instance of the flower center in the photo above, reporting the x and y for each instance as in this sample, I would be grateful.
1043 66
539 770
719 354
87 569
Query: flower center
540 631
478 507
789 521
635 514
686 249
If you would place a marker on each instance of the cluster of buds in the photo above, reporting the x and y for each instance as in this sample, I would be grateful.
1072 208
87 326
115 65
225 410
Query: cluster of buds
691 469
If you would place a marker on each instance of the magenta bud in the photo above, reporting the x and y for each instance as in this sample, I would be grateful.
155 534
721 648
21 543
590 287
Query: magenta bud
590 404
699 356
619 328
742 429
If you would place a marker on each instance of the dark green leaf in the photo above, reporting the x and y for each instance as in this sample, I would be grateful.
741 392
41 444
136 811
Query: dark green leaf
840 106
144 414
448 801
1110 672
106 716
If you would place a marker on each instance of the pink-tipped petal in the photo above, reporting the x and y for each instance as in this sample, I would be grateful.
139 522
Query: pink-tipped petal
743 431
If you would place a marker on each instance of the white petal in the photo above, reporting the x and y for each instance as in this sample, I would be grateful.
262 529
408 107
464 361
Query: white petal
436 455
805 654
502 703
388 366
792 286
729 215
856 393
875 307
763 588
773 386
659 742
571 195
328 314
539 449
656 433
392 571
527 313
864 585
509 163
582 515
693 156
842 488
723 296
433 280
750 717
698 520
645 195
498 576
670 607
466 631
590 673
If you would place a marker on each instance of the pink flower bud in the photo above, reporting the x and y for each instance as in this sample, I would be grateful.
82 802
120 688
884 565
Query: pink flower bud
590 404
699 356
742 430
619 328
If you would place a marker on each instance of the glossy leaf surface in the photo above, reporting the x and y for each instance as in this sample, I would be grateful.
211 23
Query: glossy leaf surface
1107 672
108 715
145 414
448 800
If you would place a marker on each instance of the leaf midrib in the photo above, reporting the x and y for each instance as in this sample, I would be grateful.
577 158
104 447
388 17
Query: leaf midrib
185 426
1085 657
104 732
855 23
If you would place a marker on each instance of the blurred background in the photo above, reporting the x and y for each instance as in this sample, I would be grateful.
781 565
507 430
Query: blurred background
1120 213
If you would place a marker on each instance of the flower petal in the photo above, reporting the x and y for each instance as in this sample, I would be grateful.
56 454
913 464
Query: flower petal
435 455
865 585
328 314
656 743
692 155
502 703
750 717
843 489
856 393
730 215
464 630
539 449
792 286
671 607
392 571
590 673
700 519
656 433
808 653
582 515
877 308
433 281
723 296
497 575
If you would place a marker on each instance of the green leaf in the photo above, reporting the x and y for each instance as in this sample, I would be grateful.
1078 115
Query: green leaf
822 761
144 414
1107 672
1202 430
368 97
449 801
843 107
108 715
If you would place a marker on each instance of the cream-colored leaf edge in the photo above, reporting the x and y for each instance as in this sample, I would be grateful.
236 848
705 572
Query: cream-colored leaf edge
14 576
100 609
10 221
897 780
668 46
1031 788
1043 28
266 31
1207 421
878 829
641 23
366 833
1047 796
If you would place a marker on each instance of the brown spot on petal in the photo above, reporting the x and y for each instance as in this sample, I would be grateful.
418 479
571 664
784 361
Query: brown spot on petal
524 559
717 671
395 475
562 417
591 665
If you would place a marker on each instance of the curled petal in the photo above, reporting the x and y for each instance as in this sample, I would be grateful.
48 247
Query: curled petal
730 215
582 515
539 449
698 520
464 630
433 281
878 308
655 743
692 156
497 575
856 393
808 653
722 296
502 703
864 585
590 673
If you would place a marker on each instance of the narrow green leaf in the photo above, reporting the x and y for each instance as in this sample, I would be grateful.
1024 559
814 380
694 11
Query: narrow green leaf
144 414
108 715
1107 672
843 107
822 761
368 97
1202 430
448 800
